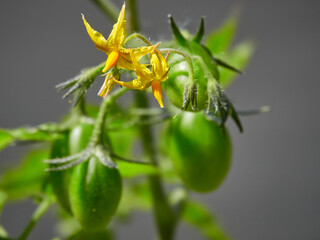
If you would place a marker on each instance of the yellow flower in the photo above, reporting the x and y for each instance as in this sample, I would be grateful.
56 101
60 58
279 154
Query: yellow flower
146 78
108 84
113 46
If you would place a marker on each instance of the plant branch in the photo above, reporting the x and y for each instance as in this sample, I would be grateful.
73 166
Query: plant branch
137 35
133 16
186 56
41 209
164 215
99 125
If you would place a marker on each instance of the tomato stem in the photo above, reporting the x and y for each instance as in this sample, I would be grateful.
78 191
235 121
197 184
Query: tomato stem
97 133
137 35
41 209
164 215
133 15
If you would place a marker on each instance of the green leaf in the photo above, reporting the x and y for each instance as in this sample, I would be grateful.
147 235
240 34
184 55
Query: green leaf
198 216
27 178
199 35
5 139
135 196
32 134
3 198
130 170
3 234
239 58
220 40
176 32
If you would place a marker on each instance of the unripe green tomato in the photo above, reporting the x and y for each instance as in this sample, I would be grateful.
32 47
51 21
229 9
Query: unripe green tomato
80 136
204 69
200 151
83 235
59 180
95 192
178 79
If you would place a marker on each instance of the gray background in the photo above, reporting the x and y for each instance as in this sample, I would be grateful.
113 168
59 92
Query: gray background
272 191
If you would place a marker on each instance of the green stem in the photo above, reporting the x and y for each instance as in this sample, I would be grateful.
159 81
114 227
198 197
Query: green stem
137 35
108 8
97 133
41 209
186 56
133 16
164 215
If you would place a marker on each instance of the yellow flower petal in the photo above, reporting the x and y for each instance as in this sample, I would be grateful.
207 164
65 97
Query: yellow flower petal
157 92
135 84
125 60
119 31
141 70
159 64
111 61
107 86
97 38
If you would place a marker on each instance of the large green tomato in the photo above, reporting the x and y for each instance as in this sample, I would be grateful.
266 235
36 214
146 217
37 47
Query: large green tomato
200 151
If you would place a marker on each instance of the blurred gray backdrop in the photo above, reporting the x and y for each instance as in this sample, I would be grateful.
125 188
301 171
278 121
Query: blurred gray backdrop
272 191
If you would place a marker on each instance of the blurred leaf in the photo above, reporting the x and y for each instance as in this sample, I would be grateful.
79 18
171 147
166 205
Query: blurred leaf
3 233
198 215
130 170
3 198
27 178
135 196
220 40
32 134
83 235
5 139
239 58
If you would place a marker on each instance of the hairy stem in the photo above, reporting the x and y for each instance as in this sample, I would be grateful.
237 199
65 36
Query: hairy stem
137 35
97 133
186 56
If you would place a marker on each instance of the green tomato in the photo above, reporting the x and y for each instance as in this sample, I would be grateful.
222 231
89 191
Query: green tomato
178 79
179 75
95 192
59 180
80 136
200 151
83 235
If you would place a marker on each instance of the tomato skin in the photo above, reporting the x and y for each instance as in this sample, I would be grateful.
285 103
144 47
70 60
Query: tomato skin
95 192
83 235
80 137
59 180
200 151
